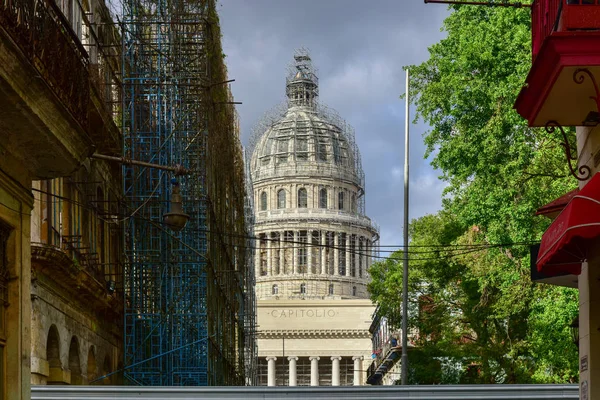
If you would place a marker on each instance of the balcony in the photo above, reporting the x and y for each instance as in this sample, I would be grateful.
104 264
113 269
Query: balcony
561 85
52 113
320 214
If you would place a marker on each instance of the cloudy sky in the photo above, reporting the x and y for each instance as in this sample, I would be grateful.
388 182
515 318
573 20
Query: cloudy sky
359 48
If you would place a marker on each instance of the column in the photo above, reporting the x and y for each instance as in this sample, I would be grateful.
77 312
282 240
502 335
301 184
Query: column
314 370
369 248
348 255
257 257
309 235
295 247
364 256
271 371
335 370
336 253
269 256
292 361
356 257
357 370
323 252
281 253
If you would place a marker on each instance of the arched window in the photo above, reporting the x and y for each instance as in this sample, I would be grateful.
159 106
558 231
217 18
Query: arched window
302 198
281 198
275 290
303 288
331 288
323 198
341 200
263 201
353 290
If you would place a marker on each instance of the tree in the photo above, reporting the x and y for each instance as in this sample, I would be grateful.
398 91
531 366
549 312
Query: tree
484 310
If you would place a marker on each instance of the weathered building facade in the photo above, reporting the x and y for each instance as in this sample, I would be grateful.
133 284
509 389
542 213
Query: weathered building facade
57 96
314 243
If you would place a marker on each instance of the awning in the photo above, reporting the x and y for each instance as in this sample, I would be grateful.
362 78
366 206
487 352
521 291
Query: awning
565 243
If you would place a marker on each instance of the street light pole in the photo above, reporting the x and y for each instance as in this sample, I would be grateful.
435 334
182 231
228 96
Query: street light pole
404 360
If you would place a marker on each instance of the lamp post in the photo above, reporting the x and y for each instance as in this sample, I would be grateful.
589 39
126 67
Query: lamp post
404 359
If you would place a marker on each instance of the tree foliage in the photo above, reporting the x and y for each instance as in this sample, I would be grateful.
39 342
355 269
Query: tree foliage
473 303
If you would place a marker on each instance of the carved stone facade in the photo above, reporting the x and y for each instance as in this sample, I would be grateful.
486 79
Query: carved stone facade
314 245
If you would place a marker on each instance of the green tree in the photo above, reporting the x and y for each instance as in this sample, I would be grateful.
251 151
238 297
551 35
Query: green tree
483 309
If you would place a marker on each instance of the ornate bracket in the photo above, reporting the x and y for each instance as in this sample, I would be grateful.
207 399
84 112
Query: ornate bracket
583 172
579 78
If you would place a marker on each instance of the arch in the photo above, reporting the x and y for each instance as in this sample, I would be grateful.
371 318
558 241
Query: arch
74 361
91 365
53 348
275 290
354 291
302 198
303 288
330 289
341 200
263 201
281 198
323 198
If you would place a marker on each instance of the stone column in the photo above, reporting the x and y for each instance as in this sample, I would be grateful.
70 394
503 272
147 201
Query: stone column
257 257
269 255
364 252
309 251
323 252
314 370
348 255
336 253
281 253
357 370
271 371
295 252
356 257
293 380
335 370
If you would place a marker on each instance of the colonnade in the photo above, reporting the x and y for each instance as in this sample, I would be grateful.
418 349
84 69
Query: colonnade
314 370
322 252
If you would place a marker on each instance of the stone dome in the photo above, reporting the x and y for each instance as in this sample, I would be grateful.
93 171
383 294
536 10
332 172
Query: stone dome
314 239
306 137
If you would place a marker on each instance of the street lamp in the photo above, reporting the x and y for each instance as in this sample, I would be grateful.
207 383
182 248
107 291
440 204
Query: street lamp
176 219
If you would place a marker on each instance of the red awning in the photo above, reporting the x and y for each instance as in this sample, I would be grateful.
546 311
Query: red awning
565 243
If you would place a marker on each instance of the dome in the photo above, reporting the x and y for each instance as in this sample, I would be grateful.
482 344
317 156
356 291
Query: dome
305 138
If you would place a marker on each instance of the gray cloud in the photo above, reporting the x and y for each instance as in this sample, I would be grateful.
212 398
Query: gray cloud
359 49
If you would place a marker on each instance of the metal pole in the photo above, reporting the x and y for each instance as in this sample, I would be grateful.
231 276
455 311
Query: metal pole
404 360
178 169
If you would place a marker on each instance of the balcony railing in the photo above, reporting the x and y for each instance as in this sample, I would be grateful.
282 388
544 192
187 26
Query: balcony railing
45 37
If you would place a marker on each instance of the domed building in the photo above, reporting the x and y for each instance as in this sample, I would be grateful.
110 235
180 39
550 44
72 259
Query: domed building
315 243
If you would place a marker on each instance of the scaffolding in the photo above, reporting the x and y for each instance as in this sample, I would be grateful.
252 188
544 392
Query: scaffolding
187 292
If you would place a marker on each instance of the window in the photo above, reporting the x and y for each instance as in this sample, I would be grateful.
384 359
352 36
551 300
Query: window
302 198
303 288
302 149
341 200
263 201
322 151
353 203
275 290
331 288
353 290
323 198
281 198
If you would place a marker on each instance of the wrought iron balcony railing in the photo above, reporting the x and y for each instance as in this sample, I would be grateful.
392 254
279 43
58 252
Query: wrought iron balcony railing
45 37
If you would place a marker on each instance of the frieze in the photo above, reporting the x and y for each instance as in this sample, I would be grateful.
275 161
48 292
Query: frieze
315 333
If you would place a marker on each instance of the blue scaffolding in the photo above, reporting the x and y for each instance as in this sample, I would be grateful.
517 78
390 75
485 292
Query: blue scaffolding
164 122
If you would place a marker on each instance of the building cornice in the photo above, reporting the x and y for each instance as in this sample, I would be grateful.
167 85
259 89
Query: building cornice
314 334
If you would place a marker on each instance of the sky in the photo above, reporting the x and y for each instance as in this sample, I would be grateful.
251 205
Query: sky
359 48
